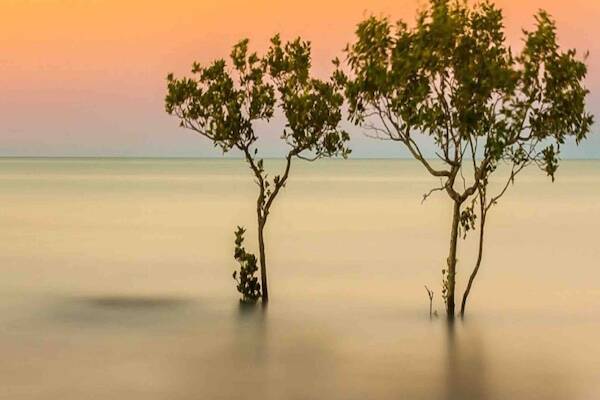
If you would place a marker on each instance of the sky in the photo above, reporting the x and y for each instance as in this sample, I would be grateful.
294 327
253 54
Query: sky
87 77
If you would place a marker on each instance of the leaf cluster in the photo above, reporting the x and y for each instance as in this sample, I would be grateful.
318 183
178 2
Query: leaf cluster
224 101
247 282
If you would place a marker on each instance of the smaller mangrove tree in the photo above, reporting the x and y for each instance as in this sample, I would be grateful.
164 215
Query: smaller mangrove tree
224 102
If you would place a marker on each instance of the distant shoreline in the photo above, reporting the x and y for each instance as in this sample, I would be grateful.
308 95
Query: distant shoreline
224 158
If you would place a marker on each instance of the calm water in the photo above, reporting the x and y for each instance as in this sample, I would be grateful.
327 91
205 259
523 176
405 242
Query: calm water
116 284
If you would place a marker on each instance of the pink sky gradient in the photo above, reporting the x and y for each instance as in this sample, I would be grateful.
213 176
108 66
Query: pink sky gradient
87 77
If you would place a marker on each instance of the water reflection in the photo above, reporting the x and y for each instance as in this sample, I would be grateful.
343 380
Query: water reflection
254 355
191 349
465 364
470 373
251 334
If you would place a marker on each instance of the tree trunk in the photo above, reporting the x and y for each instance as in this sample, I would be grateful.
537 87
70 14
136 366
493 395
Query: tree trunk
263 261
451 273
477 265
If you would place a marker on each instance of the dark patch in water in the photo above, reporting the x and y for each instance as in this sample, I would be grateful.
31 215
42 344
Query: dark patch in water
123 311
135 303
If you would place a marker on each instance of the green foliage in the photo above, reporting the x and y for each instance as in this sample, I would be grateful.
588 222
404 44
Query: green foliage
446 276
467 220
223 102
247 283
452 77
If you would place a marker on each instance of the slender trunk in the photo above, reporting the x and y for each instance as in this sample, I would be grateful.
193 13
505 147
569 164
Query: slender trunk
477 264
263 260
451 273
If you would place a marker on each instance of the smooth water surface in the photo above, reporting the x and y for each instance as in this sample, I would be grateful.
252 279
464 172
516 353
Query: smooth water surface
116 284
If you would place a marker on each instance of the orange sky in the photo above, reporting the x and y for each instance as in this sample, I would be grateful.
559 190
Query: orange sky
87 76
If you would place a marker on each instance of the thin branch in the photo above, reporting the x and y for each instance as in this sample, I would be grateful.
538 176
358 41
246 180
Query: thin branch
436 189
281 182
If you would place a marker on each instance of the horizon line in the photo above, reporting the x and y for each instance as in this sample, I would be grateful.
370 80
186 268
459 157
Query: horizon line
373 158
